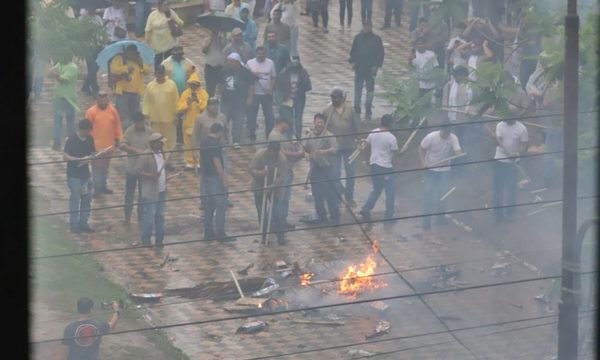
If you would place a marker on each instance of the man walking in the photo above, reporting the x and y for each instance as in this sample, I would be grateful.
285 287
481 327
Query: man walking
293 153
151 171
215 59
135 142
366 10
126 75
236 92
106 132
82 338
239 46
269 162
343 123
394 6
282 31
264 72
321 149
65 73
383 145
435 147
160 106
366 57
291 87
77 153
215 185
512 138
277 52
346 4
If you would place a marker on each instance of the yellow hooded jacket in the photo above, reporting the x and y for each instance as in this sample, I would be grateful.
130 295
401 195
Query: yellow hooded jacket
195 108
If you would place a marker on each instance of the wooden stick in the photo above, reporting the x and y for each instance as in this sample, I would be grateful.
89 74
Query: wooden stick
552 204
447 194
237 285
271 205
447 159
412 135
263 208
539 190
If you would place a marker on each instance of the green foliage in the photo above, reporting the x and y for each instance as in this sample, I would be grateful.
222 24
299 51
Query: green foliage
493 88
445 9
59 38
404 93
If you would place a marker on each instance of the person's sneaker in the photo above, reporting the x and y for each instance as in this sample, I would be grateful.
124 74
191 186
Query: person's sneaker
226 238
236 146
86 229
107 191
365 215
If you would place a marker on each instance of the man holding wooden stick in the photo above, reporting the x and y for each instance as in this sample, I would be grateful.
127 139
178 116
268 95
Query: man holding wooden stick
436 147
269 164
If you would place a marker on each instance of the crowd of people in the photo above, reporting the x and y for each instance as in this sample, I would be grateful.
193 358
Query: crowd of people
181 107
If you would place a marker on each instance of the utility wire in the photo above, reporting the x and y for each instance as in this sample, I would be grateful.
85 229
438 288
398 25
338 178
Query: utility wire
425 127
392 172
311 308
317 227
337 347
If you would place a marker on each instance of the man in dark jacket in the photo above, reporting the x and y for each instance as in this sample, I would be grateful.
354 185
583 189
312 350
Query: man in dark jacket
290 93
276 52
366 56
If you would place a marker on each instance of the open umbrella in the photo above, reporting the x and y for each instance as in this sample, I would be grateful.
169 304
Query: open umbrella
219 21
118 47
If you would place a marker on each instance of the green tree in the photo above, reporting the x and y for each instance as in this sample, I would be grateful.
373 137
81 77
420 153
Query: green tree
58 37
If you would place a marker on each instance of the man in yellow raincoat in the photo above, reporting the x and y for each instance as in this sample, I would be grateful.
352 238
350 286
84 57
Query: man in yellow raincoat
192 103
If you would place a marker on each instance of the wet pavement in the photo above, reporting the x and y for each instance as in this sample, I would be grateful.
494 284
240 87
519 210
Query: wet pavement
408 256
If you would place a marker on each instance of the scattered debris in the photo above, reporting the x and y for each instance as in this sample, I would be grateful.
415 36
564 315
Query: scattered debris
383 327
515 305
268 287
359 353
252 327
500 269
380 306
244 271
318 322
240 309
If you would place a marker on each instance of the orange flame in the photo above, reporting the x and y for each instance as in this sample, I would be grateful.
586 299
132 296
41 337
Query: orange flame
357 278
305 279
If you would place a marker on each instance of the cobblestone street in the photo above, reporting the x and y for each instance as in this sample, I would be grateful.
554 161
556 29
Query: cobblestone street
450 325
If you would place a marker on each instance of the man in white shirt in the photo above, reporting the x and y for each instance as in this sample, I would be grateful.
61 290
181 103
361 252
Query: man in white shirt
512 138
115 19
263 69
383 145
457 95
423 60
436 147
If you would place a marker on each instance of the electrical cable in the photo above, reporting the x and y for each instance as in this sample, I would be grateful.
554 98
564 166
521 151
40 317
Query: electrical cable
317 227
335 136
393 172
311 308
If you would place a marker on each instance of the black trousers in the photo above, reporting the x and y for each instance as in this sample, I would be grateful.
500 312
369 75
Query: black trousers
366 10
394 6
212 75
324 16
343 5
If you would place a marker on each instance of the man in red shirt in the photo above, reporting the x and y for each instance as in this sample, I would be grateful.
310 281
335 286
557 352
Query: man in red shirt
107 132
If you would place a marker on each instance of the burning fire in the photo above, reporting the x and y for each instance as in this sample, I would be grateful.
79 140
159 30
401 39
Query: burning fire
305 279
357 278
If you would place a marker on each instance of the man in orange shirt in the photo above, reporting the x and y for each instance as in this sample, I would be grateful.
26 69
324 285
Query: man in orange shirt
107 132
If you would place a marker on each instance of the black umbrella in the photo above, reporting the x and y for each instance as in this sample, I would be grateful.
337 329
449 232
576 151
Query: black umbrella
220 21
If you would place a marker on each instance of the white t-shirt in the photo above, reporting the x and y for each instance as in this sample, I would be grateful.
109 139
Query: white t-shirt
437 149
511 138
382 146
472 66
266 70
455 55
162 181
115 17
217 5
424 62
458 96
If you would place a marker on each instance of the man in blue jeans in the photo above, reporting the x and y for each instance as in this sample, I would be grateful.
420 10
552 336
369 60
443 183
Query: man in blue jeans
434 149
366 56
214 184
151 171
77 153
383 145
142 10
